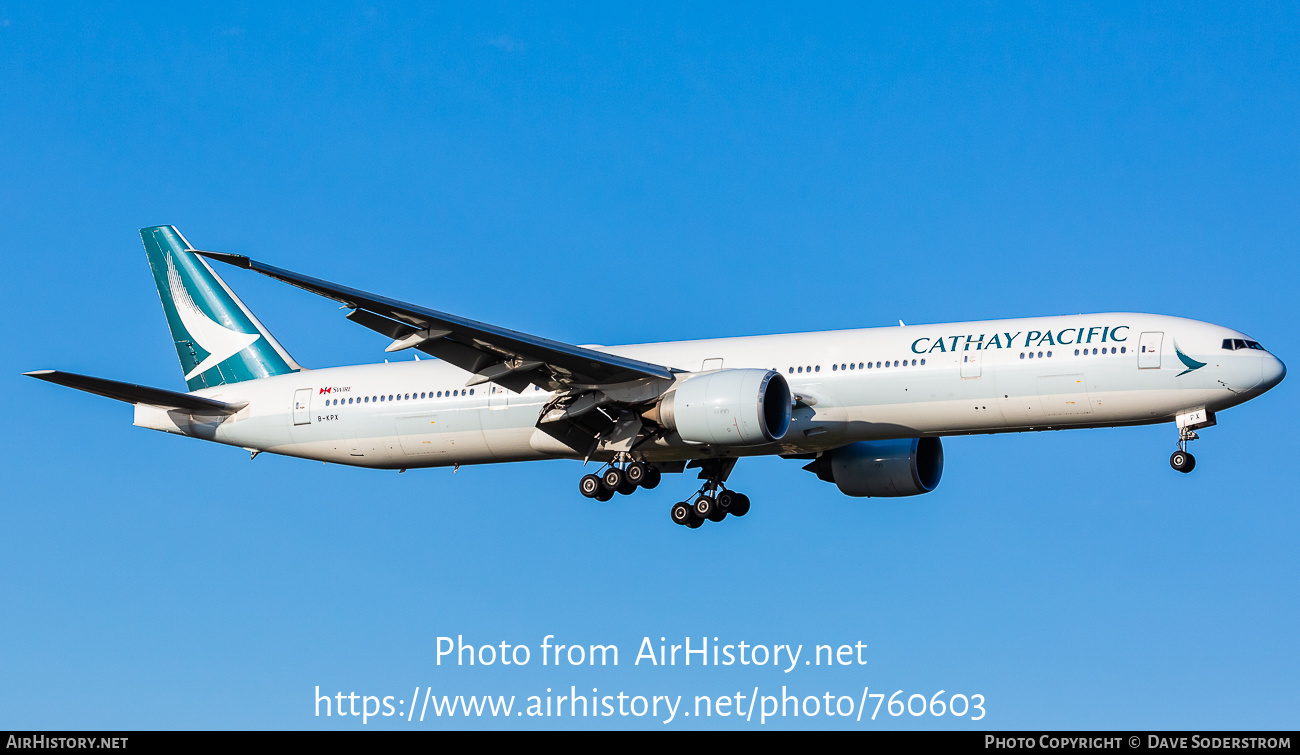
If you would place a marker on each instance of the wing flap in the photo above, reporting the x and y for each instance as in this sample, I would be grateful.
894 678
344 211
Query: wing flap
138 394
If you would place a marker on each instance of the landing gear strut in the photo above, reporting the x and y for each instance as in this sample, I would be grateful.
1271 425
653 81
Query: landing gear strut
1181 460
712 501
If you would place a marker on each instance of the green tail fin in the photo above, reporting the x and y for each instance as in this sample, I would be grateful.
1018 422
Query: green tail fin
217 339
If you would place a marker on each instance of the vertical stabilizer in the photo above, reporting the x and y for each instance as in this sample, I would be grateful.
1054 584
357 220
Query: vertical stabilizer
217 339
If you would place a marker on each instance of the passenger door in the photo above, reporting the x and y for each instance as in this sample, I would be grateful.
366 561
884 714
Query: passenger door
1149 350
302 406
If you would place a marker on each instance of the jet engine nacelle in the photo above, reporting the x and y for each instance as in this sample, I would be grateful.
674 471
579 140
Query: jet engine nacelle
883 468
742 407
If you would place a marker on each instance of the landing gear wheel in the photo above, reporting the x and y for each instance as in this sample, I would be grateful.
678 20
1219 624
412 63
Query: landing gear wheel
726 500
627 488
651 480
695 523
1182 461
681 513
612 479
740 507
636 472
604 495
589 485
705 507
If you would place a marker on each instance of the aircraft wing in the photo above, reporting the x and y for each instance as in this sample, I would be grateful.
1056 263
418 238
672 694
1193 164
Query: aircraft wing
138 394
506 357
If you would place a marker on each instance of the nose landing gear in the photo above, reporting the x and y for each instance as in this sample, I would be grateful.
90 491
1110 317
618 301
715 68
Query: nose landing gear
1182 460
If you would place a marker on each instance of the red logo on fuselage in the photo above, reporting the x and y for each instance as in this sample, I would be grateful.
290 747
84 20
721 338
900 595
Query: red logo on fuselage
324 390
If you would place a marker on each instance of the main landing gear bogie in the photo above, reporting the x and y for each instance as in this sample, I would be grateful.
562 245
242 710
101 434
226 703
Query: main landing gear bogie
623 480
712 502
704 506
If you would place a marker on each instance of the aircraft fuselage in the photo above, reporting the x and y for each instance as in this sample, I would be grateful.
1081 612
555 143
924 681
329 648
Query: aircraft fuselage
1042 373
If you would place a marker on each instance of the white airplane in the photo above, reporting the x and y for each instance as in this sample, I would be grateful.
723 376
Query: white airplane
866 408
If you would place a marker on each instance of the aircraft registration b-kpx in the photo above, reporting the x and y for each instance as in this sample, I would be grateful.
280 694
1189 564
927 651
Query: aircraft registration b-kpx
866 408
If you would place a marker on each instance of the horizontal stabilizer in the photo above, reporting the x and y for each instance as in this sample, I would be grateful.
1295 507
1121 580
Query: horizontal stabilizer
138 394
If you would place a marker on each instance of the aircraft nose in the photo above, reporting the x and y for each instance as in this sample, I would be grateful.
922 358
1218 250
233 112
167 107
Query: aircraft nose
1272 373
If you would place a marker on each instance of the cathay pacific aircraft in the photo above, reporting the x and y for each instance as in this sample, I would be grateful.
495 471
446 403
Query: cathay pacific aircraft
865 409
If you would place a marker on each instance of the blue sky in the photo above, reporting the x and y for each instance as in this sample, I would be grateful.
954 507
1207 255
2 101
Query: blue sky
604 175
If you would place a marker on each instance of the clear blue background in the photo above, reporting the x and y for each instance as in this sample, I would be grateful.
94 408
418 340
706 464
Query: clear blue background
601 175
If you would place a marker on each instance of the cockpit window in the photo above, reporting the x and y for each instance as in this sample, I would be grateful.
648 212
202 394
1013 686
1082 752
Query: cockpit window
1232 344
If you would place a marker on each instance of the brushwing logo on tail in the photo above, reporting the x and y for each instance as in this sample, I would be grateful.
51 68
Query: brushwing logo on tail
220 342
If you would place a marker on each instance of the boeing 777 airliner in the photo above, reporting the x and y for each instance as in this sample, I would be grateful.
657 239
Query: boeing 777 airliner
865 408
